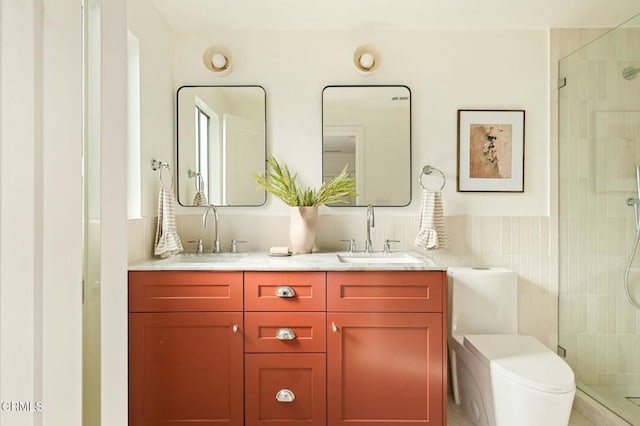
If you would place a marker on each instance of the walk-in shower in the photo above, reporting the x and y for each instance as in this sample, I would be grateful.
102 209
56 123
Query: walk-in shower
599 218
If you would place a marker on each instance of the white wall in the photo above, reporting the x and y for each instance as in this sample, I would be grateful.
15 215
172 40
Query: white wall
113 153
157 96
445 70
40 211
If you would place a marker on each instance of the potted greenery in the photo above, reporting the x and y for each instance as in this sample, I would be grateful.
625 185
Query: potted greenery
304 202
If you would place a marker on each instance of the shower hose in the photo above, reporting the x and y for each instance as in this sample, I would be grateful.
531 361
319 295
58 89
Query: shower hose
632 202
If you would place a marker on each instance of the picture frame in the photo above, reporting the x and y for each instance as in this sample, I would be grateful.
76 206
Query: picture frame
491 150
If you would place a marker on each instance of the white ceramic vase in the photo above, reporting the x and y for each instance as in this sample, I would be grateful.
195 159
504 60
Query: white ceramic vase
303 228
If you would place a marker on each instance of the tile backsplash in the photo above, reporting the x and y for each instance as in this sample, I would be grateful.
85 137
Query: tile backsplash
519 243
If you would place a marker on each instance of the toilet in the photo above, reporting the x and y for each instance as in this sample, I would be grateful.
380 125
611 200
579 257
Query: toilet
501 378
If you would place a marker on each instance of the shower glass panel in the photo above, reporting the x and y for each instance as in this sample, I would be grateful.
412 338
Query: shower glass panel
599 149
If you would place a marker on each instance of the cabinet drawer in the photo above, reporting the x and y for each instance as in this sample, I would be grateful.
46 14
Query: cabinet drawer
411 291
260 290
262 329
299 376
187 291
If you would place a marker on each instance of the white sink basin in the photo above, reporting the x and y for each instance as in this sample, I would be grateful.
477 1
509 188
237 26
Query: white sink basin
206 258
378 258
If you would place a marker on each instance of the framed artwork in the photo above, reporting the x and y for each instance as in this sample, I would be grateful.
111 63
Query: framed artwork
490 150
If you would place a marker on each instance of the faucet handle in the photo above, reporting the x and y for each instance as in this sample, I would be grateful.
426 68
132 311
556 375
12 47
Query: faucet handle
234 245
387 245
199 245
351 245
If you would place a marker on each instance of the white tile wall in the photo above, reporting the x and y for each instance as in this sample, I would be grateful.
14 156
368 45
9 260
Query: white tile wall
599 142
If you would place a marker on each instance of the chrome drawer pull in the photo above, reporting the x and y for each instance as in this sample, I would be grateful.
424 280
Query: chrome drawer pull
285 291
334 327
285 334
285 395
235 328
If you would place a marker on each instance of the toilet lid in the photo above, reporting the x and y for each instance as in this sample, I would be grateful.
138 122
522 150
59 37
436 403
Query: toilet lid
523 359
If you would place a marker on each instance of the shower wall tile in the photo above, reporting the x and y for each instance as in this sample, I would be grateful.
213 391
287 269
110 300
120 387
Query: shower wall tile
596 147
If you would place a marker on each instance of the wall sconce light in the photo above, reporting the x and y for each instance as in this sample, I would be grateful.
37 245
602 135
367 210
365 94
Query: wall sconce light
366 60
218 60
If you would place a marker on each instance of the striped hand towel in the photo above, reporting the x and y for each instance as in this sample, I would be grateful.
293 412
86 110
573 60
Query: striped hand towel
167 240
432 233
200 199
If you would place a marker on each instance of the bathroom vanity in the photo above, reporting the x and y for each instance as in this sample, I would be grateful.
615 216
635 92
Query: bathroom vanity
308 339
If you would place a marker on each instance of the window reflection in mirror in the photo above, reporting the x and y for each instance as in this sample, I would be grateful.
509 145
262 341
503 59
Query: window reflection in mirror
368 128
221 140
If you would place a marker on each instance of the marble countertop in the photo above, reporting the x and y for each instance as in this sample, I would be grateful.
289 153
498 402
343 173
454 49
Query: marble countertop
322 261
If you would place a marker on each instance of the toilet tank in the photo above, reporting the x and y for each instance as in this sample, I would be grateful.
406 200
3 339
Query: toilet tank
482 301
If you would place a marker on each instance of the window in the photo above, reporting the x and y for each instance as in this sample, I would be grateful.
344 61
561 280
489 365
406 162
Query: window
134 181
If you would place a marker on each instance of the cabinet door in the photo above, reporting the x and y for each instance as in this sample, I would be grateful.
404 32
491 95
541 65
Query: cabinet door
385 369
185 369
285 390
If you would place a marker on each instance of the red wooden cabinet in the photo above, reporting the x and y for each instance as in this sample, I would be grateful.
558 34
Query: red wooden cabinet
285 332
386 348
185 364
385 291
285 389
185 291
284 291
285 345
360 348
385 369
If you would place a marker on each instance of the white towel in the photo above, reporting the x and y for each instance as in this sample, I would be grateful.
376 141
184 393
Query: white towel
200 199
167 240
432 233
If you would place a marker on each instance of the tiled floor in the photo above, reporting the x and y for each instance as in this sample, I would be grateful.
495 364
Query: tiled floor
455 417
619 398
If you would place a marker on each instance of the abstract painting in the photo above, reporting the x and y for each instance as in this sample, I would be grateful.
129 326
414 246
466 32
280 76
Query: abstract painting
491 150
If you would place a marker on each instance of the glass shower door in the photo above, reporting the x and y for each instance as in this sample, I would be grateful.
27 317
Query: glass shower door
599 149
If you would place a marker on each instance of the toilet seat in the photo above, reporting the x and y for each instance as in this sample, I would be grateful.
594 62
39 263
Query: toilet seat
524 360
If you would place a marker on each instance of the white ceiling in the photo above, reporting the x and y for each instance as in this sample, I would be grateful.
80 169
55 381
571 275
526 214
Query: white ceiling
407 14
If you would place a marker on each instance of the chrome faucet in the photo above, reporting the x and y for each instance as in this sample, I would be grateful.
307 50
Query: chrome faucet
216 240
371 223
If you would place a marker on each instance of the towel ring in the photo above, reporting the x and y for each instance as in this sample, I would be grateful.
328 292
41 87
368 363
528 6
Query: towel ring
159 166
199 182
427 170
162 182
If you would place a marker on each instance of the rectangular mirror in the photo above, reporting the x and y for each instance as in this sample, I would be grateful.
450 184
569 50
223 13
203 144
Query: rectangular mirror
221 140
368 129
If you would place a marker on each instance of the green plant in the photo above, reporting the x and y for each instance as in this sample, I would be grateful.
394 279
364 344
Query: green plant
280 182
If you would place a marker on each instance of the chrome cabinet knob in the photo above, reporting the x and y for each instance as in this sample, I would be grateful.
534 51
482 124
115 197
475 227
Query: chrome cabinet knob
285 291
285 395
285 334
